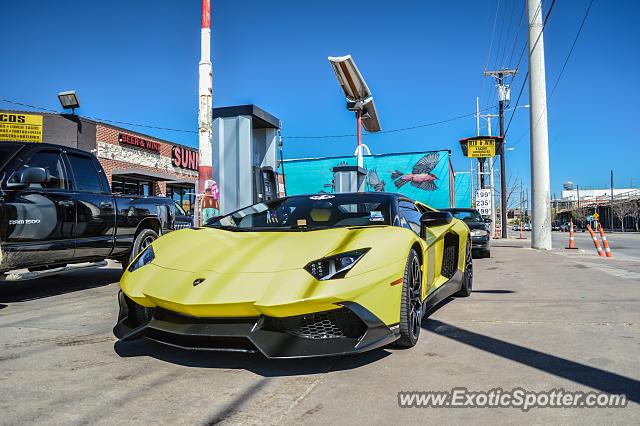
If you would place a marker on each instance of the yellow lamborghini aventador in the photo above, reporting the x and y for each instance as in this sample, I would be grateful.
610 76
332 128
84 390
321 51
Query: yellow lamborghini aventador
300 276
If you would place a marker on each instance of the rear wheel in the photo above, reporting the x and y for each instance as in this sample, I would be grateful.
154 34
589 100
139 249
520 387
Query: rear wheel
411 303
467 276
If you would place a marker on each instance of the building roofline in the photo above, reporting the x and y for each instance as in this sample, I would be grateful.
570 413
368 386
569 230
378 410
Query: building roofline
102 123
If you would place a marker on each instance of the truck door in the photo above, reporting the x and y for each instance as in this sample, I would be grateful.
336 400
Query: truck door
38 219
96 211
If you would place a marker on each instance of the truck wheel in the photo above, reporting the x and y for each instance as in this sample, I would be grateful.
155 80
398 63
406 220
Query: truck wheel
144 238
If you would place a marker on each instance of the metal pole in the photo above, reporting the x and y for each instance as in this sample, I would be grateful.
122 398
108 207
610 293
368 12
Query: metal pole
493 194
205 113
611 209
359 125
540 182
284 177
478 134
503 168
477 116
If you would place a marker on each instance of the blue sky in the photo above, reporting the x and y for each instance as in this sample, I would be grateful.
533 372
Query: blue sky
136 61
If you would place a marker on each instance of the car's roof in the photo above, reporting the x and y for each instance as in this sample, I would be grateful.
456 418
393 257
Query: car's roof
42 145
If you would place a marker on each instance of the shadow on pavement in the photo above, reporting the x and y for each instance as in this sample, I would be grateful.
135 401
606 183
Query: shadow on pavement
494 291
580 373
22 291
255 363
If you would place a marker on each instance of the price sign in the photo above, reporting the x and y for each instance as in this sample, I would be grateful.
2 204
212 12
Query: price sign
481 148
483 201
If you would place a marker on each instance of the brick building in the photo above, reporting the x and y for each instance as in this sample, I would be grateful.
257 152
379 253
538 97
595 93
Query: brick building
134 163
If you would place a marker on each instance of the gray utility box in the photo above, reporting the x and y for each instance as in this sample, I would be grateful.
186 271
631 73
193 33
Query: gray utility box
349 179
245 155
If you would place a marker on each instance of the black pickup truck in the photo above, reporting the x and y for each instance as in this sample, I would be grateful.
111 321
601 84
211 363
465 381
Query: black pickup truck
56 209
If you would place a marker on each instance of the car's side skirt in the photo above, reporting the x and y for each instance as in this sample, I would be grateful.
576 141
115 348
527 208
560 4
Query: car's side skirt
443 292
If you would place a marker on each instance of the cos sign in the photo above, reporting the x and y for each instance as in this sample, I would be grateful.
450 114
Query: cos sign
184 158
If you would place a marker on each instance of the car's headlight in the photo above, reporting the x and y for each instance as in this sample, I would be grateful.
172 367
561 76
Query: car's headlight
335 266
146 257
479 232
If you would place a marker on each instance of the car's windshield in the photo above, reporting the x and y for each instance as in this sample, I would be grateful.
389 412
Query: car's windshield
467 215
308 212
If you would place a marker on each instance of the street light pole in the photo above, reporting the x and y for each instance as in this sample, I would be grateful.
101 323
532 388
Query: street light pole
540 181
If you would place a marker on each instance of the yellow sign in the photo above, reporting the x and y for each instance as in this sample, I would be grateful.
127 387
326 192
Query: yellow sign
481 148
20 127
596 216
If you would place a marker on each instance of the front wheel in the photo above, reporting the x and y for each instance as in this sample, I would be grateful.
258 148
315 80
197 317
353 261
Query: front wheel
143 239
411 303
467 276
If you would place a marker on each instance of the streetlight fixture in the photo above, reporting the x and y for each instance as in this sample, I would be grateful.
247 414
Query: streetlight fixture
69 100
359 98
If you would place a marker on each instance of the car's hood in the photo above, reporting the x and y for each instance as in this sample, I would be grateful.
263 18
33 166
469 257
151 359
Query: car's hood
209 249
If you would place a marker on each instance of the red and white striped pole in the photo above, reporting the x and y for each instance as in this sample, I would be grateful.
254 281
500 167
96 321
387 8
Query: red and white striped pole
205 112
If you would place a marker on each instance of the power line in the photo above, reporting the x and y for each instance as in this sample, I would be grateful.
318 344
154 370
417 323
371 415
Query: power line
526 77
506 33
573 45
106 120
401 129
575 40
27 105
518 30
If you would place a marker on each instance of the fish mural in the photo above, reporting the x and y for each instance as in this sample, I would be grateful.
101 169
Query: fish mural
420 176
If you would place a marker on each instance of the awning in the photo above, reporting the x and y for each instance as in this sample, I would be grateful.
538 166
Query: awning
182 182
143 174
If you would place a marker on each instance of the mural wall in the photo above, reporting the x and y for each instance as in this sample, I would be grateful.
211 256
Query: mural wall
423 176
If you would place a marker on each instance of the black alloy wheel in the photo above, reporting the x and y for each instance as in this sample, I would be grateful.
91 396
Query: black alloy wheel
467 276
411 311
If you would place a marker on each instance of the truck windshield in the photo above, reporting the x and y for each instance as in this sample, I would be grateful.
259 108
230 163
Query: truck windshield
308 212
6 152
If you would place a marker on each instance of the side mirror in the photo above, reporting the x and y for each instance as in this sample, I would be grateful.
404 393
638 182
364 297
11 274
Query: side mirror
31 175
34 175
430 219
487 220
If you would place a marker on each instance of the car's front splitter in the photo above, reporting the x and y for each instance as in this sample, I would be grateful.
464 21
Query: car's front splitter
350 328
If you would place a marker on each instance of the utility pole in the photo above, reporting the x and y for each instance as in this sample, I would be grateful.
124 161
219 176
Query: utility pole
491 184
480 185
611 210
540 182
503 100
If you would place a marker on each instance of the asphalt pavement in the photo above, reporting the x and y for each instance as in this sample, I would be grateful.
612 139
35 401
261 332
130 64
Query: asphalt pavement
536 320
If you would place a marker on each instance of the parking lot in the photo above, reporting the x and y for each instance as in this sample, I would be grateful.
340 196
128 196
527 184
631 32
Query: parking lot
536 320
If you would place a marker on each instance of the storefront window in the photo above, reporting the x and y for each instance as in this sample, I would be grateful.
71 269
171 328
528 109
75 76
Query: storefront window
183 195
130 186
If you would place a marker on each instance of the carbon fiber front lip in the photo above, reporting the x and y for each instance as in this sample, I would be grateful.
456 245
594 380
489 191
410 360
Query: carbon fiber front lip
209 335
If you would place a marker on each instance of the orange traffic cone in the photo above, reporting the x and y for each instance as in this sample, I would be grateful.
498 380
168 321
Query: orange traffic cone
595 241
572 243
607 250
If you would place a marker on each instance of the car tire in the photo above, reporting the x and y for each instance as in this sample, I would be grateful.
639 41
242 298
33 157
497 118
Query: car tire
467 276
486 253
411 309
143 239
